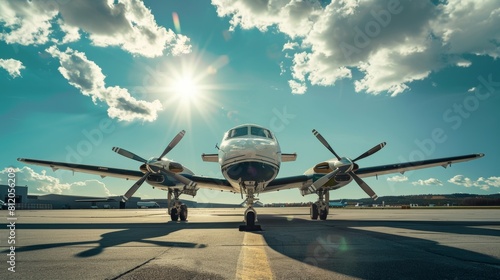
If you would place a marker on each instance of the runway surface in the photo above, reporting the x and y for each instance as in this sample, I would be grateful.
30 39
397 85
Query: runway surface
351 244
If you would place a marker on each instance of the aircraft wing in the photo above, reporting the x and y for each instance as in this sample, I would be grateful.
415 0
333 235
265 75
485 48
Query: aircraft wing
201 181
91 169
406 166
293 182
300 181
210 183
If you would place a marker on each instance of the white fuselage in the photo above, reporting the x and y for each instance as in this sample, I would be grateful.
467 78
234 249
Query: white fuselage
249 155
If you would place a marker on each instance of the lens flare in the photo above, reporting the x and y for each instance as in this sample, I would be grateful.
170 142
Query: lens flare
177 23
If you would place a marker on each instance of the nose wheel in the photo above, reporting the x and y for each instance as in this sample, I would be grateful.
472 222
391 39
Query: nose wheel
250 213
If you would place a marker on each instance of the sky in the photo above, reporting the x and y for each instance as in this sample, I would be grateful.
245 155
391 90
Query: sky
80 77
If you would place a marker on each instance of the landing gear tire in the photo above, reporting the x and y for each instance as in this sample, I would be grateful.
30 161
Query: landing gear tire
250 218
174 215
184 213
323 215
314 211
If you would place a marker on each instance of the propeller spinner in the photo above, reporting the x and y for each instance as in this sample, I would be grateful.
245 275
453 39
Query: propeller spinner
323 180
150 166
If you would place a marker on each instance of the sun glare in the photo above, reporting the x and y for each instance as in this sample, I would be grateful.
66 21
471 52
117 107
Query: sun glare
186 88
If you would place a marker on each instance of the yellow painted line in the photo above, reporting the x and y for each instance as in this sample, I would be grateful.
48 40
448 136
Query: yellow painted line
253 262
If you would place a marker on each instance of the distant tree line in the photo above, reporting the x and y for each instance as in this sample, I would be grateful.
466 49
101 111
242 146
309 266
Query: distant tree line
481 201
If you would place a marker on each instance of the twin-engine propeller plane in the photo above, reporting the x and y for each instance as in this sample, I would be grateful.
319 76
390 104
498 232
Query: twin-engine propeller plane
250 157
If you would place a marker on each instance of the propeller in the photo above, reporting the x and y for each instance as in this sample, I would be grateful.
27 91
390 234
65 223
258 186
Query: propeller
370 151
135 187
173 143
325 143
151 168
128 154
323 180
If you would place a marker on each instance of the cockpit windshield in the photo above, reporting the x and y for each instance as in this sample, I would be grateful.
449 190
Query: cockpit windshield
249 130
262 132
238 132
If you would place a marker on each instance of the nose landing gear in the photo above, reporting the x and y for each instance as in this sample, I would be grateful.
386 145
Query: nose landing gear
250 213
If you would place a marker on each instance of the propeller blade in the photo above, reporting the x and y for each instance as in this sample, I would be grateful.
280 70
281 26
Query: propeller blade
134 188
182 179
128 154
174 142
364 186
322 181
325 143
371 151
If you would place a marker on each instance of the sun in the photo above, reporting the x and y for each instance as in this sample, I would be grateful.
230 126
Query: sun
186 88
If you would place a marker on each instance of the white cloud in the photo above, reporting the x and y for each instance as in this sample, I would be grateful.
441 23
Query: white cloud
493 181
294 18
87 76
72 33
12 66
49 184
428 182
27 23
290 45
397 178
392 43
128 24
481 182
297 88
464 63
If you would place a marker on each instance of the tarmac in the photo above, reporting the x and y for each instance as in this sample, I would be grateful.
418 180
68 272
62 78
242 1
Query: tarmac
351 244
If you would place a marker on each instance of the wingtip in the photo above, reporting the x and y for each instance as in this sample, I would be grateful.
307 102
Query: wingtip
20 159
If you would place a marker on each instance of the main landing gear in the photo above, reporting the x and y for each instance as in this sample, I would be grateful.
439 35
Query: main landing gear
250 213
176 209
320 208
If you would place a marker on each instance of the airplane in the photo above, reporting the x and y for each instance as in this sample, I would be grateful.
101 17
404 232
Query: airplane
249 157
337 204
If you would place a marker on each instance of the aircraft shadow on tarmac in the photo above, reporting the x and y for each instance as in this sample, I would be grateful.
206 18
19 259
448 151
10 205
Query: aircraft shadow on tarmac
364 250
130 232
343 246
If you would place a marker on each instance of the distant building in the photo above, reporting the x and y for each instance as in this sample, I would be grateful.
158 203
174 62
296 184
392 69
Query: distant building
59 201
20 197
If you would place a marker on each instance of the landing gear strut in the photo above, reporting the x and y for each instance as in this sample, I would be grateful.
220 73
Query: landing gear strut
250 213
176 209
320 207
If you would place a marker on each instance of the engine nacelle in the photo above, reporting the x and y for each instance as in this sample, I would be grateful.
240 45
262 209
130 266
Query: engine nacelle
156 178
355 167
328 166
325 167
175 167
342 178
157 166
